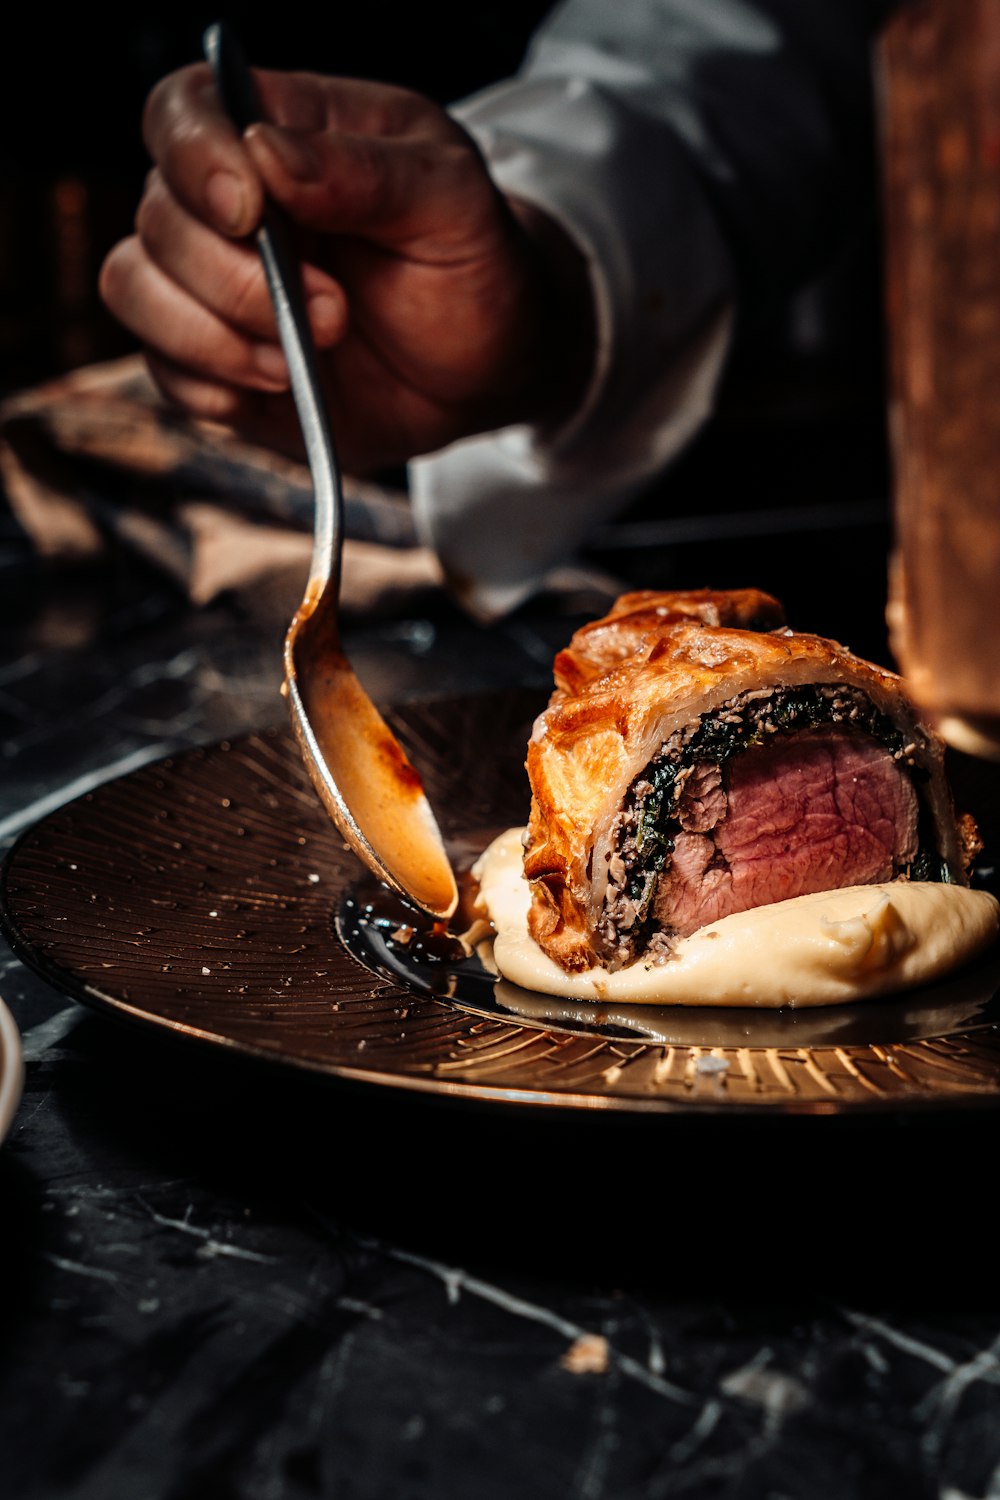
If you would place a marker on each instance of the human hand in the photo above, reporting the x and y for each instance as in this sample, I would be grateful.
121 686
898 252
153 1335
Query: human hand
438 307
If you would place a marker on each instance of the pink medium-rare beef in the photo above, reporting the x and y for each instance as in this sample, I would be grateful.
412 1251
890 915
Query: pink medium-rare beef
830 805
825 808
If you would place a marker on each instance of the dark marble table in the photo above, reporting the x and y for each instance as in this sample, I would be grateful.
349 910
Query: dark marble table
221 1280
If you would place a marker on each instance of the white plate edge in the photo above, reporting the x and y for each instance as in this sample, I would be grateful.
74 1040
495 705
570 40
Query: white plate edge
11 1069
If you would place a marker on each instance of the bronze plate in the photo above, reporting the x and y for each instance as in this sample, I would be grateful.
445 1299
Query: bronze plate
204 894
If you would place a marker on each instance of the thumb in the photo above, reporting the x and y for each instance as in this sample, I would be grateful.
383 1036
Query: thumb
394 190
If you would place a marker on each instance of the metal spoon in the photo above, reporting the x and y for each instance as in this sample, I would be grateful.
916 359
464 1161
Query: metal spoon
357 765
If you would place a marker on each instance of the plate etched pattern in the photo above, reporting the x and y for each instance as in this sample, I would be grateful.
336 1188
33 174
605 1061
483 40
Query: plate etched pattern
199 895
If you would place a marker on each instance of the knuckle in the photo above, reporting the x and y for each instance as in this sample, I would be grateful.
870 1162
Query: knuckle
149 214
243 295
202 398
169 101
214 402
114 275
369 169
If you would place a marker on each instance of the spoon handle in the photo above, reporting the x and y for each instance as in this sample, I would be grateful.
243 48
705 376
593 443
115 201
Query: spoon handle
240 100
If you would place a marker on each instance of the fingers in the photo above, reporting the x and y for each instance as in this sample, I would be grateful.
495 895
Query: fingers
219 273
181 329
224 275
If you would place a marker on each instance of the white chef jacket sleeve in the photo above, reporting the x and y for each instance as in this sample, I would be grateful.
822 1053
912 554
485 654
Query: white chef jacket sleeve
698 154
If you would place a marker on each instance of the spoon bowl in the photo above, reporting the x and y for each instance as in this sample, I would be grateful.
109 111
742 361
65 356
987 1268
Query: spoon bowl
363 776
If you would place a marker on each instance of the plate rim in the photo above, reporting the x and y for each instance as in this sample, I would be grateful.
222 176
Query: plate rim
65 981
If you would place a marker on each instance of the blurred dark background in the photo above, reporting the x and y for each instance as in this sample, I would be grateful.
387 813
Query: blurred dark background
789 479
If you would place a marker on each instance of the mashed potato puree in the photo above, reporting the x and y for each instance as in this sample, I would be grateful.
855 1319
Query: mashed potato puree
821 949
